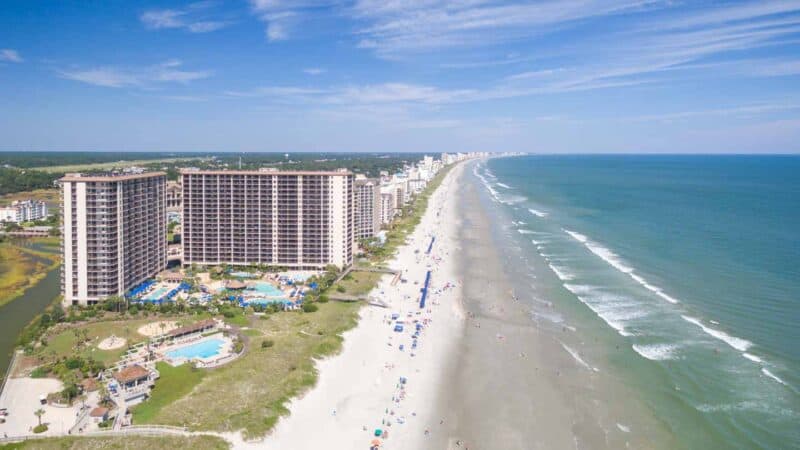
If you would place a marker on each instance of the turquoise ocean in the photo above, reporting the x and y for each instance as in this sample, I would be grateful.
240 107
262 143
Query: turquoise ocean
683 272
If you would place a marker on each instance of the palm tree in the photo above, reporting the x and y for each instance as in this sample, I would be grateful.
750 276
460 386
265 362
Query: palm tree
39 413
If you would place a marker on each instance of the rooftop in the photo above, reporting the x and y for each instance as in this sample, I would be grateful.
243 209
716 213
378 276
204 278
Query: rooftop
110 177
266 171
202 325
131 373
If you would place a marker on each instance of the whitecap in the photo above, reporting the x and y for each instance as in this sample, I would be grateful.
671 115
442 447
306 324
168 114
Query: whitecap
752 357
766 372
656 352
537 213
503 185
562 273
616 262
523 231
623 428
735 342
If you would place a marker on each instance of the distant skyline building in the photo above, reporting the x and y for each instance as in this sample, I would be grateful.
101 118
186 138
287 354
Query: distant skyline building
293 219
368 207
23 211
113 234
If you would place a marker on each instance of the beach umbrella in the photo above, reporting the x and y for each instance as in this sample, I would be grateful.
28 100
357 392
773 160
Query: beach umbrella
375 442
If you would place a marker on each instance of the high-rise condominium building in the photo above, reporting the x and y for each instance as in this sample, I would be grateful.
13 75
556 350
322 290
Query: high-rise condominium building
368 208
114 233
299 220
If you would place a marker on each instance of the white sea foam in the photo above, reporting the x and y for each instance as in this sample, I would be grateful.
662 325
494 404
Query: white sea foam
523 231
735 342
656 352
577 357
614 311
616 262
562 273
623 428
766 372
752 357
513 199
537 213
503 185
537 242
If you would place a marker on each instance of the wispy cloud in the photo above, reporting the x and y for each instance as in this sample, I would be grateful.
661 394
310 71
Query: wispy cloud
392 27
194 18
281 16
10 55
314 71
118 77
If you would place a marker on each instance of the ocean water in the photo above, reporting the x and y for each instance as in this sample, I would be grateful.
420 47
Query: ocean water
682 271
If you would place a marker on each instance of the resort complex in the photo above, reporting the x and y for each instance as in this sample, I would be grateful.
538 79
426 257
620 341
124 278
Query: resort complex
301 220
252 243
114 233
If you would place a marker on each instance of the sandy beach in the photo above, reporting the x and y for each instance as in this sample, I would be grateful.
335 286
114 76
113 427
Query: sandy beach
484 375
360 390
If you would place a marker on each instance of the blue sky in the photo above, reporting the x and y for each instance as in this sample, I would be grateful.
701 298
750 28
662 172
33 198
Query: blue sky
401 75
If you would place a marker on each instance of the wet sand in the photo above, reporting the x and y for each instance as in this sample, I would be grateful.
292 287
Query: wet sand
514 386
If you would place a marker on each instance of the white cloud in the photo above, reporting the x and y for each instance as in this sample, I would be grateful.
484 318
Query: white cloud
10 55
193 18
314 71
117 77
392 27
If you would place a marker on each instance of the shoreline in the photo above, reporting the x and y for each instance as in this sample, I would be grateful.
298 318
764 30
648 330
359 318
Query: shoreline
359 390
516 385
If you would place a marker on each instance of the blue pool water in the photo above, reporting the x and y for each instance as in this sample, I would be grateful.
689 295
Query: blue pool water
262 287
203 349
243 274
157 294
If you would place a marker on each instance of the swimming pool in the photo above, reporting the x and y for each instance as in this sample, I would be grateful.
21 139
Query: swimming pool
203 349
267 289
157 294
243 275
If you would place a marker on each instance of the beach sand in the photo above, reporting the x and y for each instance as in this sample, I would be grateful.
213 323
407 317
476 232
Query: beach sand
484 376
359 390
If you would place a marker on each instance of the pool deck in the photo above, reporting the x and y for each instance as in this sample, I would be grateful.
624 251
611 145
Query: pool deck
225 355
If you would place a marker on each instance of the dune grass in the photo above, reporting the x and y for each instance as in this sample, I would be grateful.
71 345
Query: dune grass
174 383
122 442
249 393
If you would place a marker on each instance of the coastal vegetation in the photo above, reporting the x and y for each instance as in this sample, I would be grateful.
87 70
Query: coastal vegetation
121 442
173 383
17 180
22 266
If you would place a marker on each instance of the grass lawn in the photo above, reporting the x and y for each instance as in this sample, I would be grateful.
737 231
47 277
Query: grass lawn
249 393
174 383
110 165
358 283
64 342
125 442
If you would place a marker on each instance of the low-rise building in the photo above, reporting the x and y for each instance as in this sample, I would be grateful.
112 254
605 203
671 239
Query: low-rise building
23 211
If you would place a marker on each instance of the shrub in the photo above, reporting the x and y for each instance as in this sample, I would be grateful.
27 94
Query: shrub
340 289
323 298
39 372
267 343
40 428
310 307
